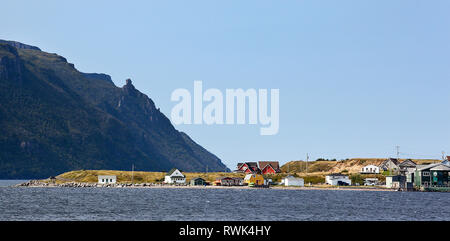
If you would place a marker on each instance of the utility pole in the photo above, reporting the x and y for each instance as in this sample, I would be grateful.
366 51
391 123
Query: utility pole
206 168
307 160
398 152
132 173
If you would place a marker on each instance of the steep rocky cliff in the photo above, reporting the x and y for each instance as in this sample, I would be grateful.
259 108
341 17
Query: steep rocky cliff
54 119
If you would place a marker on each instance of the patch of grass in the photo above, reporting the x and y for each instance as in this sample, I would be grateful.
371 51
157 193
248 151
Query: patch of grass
138 177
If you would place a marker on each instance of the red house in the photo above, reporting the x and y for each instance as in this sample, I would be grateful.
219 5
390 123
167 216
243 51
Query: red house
269 167
248 167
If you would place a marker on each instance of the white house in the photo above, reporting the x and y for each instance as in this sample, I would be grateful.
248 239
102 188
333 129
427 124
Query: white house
111 179
293 181
337 179
175 176
370 169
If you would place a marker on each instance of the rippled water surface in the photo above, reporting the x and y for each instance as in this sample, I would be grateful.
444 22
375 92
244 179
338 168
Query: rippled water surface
217 204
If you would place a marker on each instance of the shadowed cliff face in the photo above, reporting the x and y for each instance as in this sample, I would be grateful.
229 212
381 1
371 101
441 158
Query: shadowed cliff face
56 119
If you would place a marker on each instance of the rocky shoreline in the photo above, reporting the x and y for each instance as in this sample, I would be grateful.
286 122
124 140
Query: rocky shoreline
38 183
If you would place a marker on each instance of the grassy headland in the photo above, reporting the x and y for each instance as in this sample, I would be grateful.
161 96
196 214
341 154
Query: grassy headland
138 177
313 173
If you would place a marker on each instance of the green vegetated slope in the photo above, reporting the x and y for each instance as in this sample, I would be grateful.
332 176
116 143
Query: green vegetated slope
54 119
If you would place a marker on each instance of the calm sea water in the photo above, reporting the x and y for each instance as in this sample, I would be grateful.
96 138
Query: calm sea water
217 204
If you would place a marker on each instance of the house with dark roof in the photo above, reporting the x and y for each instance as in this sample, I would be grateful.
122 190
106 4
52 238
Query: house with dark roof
391 164
198 181
269 167
174 176
407 166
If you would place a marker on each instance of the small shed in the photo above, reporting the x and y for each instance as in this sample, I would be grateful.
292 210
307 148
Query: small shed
107 179
198 181
293 181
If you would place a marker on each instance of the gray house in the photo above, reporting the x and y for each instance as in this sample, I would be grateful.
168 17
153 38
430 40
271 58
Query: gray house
407 166
391 164
198 181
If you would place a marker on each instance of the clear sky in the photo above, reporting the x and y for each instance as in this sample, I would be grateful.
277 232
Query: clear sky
356 78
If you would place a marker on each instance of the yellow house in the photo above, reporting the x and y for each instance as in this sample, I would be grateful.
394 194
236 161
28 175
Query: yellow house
256 179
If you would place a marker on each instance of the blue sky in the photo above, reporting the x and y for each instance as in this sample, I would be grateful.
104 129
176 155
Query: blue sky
356 78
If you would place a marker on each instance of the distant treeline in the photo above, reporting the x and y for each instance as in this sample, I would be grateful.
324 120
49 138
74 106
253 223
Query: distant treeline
323 159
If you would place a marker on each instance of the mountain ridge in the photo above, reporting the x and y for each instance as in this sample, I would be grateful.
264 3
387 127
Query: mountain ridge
58 119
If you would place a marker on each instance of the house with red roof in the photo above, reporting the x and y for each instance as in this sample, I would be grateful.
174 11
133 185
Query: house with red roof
269 167
248 167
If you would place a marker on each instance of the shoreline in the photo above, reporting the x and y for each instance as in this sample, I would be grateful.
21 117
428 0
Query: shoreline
39 184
